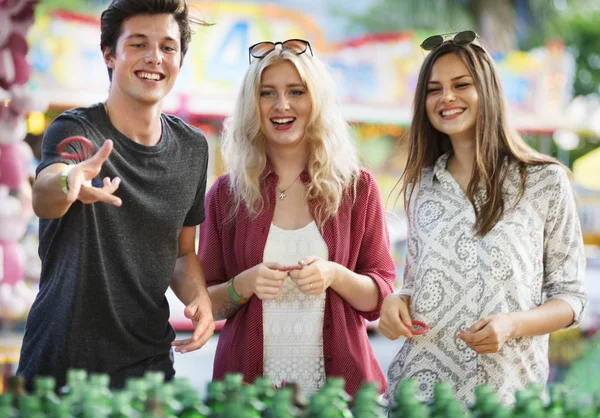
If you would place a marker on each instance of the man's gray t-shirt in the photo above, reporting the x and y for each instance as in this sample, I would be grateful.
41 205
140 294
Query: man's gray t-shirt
105 269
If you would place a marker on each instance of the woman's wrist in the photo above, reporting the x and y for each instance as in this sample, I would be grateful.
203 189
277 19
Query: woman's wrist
234 294
340 273
240 284
514 320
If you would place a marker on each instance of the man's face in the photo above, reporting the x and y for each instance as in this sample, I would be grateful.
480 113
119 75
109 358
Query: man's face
147 58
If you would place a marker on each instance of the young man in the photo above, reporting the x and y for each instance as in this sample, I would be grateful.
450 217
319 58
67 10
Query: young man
110 252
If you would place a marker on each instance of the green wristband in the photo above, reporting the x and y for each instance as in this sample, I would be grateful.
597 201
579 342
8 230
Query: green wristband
64 179
233 295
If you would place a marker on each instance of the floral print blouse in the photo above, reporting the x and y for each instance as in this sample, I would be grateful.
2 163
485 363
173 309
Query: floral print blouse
533 254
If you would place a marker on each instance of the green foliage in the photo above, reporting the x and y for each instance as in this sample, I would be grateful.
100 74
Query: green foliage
88 7
581 33
398 16
519 24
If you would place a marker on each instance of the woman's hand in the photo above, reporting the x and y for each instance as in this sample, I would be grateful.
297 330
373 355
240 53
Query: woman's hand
489 334
316 275
263 280
395 320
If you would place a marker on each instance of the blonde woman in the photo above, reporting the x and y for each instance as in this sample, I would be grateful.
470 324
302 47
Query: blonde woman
495 256
295 248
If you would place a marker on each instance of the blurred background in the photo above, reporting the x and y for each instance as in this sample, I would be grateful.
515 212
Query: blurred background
547 51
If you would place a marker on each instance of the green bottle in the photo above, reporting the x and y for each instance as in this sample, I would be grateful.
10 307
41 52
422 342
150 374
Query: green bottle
337 398
215 398
482 393
365 402
154 409
335 386
316 403
503 413
232 383
406 404
61 410
15 386
137 388
6 406
282 405
264 390
99 385
487 403
333 411
234 407
72 393
192 405
161 398
76 380
44 391
442 395
8 412
530 410
455 409
121 406
154 378
555 406
250 400
30 406
181 386
93 410
93 402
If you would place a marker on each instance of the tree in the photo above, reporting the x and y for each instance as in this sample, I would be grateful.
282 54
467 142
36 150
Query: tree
504 24
581 33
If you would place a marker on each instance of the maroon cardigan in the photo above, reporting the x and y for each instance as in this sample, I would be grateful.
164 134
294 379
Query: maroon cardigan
357 237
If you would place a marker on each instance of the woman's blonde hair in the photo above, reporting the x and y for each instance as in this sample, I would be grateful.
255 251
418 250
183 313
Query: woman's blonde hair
495 142
333 164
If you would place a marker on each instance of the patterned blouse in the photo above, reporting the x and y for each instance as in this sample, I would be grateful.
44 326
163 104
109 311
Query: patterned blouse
533 254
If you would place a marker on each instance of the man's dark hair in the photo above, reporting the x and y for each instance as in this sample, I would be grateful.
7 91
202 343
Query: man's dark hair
118 11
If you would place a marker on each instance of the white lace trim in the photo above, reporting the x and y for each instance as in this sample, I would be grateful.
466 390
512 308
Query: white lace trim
293 324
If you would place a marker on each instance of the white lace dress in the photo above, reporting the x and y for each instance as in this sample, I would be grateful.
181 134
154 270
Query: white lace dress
293 324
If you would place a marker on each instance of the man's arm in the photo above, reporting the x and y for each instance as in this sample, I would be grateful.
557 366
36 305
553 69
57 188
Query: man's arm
49 201
189 286
188 279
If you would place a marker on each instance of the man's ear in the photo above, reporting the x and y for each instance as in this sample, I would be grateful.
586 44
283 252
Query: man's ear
108 57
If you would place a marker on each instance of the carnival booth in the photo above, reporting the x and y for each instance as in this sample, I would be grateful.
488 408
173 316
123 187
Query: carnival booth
376 75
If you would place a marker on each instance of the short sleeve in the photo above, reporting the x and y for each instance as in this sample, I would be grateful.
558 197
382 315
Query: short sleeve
61 128
196 214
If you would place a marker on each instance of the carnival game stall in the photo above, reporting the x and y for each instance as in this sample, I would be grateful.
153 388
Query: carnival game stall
375 74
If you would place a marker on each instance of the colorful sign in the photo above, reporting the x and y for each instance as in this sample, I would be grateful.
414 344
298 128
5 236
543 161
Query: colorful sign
375 74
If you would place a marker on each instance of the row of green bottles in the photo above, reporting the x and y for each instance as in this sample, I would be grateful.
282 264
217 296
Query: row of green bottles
530 402
151 397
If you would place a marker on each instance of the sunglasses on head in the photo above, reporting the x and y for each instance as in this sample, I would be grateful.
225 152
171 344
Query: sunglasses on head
262 49
460 38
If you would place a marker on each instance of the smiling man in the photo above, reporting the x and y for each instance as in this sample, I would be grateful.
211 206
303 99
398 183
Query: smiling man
118 228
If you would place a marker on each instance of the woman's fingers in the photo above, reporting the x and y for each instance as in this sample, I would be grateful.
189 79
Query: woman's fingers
395 320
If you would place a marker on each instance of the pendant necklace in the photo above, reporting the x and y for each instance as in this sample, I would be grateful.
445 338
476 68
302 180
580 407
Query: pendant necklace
282 194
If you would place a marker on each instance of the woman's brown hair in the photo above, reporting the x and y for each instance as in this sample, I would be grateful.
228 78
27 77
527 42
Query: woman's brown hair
495 142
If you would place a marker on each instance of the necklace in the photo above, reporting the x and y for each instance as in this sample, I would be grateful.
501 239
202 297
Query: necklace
282 194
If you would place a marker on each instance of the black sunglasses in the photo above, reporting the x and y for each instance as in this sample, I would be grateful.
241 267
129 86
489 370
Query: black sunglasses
262 49
460 38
